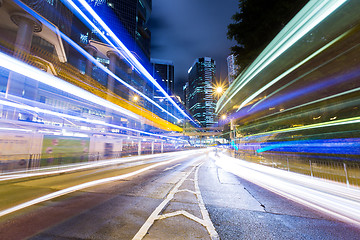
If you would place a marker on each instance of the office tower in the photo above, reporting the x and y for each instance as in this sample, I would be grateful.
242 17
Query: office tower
163 72
59 15
201 76
128 19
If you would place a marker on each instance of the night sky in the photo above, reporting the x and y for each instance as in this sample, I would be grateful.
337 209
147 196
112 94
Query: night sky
183 30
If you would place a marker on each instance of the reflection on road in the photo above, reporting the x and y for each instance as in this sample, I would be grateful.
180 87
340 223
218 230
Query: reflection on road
332 198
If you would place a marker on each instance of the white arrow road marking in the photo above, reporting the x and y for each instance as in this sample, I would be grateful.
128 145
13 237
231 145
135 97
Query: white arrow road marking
206 221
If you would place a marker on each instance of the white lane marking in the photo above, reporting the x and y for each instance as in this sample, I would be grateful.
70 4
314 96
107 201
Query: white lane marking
169 168
187 190
155 214
82 186
206 221
209 226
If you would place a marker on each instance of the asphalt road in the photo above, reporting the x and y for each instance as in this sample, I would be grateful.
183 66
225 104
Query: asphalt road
188 198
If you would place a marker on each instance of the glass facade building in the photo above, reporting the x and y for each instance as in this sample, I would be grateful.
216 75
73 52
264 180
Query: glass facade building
163 72
201 99
128 19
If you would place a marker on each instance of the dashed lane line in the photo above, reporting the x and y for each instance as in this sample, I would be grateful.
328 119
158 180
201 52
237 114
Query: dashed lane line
209 226
187 190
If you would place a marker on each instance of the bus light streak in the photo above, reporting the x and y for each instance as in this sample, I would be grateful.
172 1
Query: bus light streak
309 17
297 66
93 121
83 186
306 90
17 66
327 146
312 126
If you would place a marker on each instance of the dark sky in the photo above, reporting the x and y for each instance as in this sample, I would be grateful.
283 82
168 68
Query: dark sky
183 30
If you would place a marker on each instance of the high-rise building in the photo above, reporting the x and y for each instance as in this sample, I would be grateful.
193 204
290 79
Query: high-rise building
163 72
201 76
127 19
59 15
232 68
133 16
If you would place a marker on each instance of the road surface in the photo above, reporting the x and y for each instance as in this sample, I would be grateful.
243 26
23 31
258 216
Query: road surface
186 197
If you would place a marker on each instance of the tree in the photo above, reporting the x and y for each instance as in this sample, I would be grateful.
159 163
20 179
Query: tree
257 23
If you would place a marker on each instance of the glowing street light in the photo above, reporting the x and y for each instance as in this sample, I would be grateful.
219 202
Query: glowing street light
135 98
218 89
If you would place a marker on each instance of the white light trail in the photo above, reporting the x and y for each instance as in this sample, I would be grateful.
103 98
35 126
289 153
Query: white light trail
88 184
92 121
125 53
310 16
90 57
331 198
24 69
84 166
15 129
128 55
281 76
312 126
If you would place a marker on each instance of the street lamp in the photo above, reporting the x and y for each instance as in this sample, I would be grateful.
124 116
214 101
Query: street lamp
219 90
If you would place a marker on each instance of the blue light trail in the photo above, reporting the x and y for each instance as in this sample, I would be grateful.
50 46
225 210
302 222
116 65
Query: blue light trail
91 58
115 42
17 66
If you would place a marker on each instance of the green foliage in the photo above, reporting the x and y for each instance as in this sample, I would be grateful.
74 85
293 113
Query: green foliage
257 23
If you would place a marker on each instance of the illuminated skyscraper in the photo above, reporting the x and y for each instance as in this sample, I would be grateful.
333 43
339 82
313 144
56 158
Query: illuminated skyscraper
128 19
232 68
163 72
201 99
